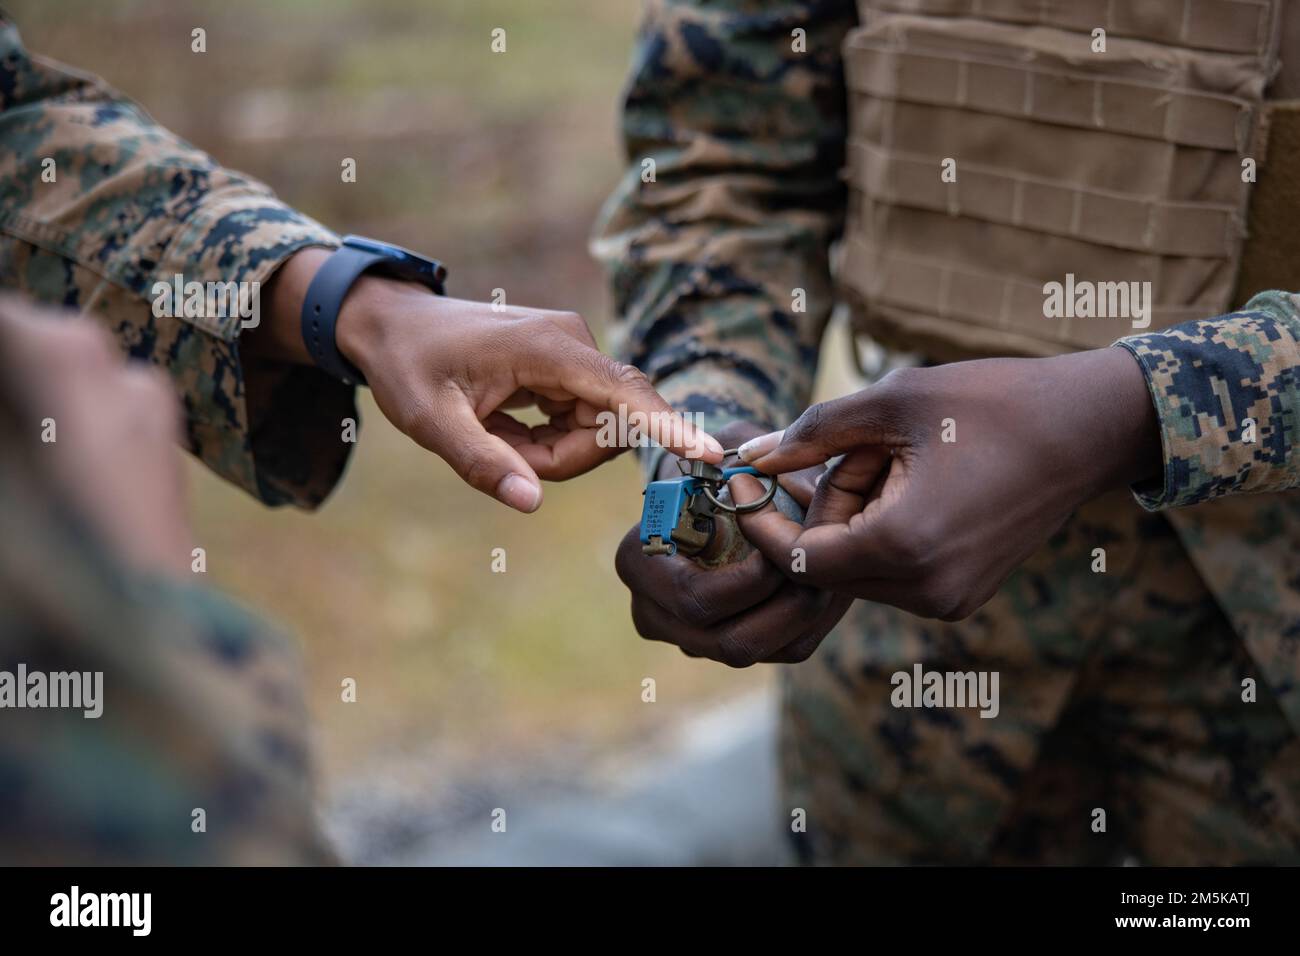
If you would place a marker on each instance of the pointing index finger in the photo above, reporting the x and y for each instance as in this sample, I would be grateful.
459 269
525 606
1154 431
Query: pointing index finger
628 402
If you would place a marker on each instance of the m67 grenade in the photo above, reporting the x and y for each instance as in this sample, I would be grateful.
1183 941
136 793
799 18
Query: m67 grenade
694 515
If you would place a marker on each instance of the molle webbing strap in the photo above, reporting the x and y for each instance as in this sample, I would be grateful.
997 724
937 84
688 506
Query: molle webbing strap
1226 26
1013 198
1150 105
905 278
1109 168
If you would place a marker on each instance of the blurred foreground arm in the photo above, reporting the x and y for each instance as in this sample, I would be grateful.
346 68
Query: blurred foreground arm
185 740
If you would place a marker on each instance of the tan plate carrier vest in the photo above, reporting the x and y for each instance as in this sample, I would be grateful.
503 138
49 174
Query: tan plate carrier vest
995 148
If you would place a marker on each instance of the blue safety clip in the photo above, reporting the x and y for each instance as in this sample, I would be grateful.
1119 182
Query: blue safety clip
679 512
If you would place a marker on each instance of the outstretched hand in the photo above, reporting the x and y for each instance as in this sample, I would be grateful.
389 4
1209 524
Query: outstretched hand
446 371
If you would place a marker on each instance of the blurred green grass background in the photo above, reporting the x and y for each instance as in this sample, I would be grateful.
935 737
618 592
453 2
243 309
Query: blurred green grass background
495 163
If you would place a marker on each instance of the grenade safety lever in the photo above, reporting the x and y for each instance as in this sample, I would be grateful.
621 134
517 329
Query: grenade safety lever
678 513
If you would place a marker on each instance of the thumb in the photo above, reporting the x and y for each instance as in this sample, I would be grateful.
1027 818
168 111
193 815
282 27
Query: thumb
483 460
823 431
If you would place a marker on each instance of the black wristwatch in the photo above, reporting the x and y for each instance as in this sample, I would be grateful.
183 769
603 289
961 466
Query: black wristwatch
320 308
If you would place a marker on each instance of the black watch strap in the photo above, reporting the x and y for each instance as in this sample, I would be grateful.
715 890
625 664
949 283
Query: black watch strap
320 309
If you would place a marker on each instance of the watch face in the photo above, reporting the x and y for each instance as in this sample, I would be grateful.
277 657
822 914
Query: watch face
381 248
401 263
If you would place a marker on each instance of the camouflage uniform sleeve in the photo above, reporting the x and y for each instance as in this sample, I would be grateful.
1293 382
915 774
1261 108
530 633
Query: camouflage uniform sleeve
718 236
98 202
1227 395
199 706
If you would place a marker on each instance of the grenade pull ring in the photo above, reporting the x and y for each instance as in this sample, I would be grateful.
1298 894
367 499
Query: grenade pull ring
712 477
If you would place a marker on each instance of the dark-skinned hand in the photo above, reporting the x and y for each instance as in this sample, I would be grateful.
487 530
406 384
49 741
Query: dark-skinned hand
934 526
742 613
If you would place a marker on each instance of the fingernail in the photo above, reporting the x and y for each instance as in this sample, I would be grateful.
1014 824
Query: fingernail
741 484
519 493
756 448
712 444
701 443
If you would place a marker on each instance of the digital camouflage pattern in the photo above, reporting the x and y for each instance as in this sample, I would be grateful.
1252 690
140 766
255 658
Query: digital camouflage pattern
131 205
202 703
1120 690
1207 379
746 138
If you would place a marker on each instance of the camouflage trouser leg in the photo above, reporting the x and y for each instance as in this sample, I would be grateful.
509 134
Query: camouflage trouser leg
1120 691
